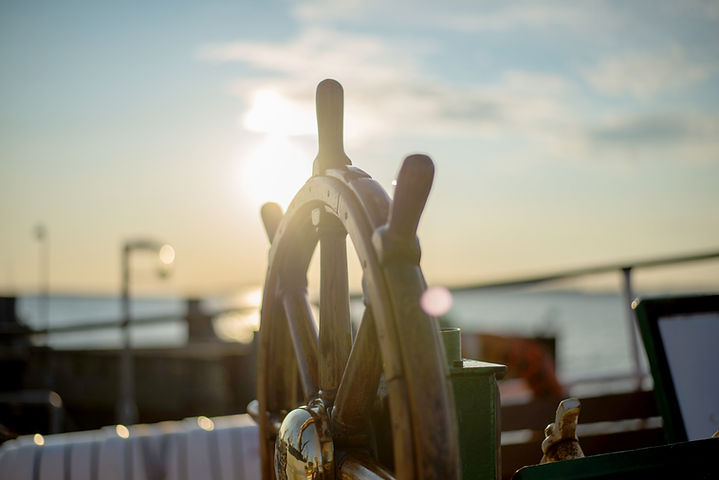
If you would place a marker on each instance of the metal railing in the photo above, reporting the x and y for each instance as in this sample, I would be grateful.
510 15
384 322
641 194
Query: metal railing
136 322
13 332
626 268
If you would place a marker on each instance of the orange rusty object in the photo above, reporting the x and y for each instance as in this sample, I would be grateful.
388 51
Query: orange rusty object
526 358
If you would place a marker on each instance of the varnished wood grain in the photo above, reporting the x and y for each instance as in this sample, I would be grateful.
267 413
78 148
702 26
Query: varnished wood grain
303 331
363 467
271 214
330 112
335 326
358 389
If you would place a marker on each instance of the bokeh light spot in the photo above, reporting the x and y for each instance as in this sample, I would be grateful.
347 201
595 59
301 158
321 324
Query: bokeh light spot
436 301
205 423
122 431
55 400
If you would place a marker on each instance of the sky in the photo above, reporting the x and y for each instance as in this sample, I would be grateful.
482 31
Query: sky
564 134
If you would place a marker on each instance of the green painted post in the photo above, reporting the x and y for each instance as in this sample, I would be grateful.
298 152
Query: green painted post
476 400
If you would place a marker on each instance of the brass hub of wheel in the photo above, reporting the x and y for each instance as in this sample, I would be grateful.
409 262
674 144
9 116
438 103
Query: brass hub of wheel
304 447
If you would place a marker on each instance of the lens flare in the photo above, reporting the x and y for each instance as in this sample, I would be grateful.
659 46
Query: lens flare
436 301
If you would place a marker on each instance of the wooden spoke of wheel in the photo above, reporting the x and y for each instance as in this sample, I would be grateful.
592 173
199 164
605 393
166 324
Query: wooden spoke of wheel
303 331
271 408
358 466
359 382
285 364
335 327
398 248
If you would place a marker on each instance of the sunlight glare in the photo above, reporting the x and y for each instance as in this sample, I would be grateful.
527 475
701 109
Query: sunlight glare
275 114
244 297
237 327
275 171
252 297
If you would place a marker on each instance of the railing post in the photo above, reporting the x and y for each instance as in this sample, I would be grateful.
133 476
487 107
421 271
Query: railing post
199 323
628 297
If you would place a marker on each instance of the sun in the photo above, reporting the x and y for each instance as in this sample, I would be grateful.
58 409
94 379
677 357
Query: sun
274 113
276 168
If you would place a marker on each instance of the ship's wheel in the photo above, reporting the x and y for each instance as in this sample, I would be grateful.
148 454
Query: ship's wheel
318 390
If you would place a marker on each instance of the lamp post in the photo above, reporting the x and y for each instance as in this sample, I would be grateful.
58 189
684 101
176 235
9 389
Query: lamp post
126 407
42 237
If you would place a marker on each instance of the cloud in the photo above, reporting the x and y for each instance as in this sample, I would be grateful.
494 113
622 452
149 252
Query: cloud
466 16
706 9
390 92
377 73
678 137
318 10
521 15
644 75
318 50
648 129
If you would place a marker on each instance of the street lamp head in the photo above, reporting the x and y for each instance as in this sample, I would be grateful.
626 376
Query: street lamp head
142 244
166 254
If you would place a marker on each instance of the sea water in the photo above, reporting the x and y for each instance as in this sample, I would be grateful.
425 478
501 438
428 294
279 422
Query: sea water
591 328
68 310
592 331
